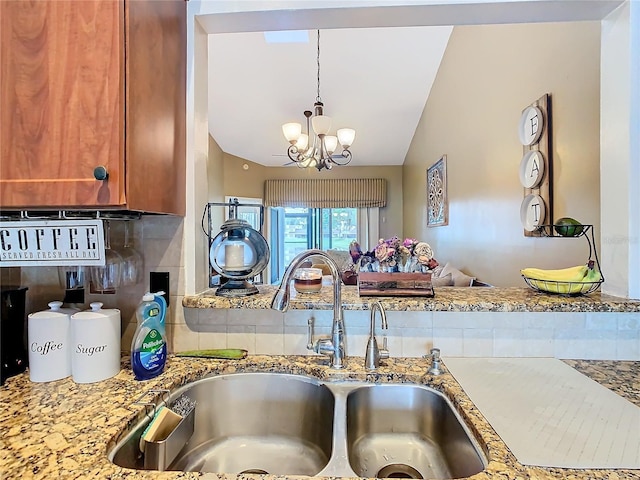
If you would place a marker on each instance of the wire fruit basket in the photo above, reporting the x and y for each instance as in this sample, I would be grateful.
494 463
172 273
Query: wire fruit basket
562 288
574 288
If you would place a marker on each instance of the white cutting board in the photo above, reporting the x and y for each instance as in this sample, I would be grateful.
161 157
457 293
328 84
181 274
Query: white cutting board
551 415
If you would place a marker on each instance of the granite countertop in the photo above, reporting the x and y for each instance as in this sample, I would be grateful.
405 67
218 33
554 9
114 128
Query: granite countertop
64 430
446 299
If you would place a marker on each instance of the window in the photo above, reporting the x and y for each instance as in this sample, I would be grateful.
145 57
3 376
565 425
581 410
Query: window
294 230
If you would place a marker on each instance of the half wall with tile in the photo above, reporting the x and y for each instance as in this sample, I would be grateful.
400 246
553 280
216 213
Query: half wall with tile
565 335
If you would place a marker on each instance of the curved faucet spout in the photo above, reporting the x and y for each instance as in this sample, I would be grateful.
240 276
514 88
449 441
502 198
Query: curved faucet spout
373 355
334 346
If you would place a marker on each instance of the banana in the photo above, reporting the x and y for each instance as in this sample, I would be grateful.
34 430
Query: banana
571 274
551 283
560 287
593 275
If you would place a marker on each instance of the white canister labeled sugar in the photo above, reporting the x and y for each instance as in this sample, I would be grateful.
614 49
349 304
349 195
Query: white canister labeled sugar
95 344
49 343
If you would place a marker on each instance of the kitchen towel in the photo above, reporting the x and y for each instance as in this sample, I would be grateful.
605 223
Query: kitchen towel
551 415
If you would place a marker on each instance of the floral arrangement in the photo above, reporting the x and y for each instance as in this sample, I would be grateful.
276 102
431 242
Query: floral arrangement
393 255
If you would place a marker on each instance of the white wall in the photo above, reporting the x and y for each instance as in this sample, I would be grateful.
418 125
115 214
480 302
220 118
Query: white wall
195 257
620 150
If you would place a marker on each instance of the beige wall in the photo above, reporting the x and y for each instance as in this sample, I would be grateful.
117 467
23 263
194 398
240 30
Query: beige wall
250 183
216 165
215 174
489 74
239 182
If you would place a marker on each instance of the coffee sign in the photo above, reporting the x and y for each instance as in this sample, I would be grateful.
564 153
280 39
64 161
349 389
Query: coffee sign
51 243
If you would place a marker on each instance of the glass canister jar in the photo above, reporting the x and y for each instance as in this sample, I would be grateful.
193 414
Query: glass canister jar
307 280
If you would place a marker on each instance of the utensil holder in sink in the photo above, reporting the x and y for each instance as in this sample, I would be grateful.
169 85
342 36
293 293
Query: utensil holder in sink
158 455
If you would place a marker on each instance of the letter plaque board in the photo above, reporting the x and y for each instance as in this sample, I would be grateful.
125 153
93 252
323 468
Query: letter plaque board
535 132
36 243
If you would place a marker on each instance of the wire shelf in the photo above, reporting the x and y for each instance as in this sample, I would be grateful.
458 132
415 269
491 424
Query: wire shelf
552 230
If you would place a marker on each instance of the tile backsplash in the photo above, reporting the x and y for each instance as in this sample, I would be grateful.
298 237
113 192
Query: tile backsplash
412 334
158 238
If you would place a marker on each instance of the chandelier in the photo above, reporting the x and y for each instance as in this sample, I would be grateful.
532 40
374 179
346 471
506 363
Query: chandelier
318 151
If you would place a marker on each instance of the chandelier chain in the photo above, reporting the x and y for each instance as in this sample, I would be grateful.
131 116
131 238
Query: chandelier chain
318 99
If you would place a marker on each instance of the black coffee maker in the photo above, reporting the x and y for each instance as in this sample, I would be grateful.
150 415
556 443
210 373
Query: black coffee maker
12 320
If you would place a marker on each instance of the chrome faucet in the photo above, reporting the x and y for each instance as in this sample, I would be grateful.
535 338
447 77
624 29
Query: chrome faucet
374 354
334 346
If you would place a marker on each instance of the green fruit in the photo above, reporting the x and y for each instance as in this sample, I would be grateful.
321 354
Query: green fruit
568 227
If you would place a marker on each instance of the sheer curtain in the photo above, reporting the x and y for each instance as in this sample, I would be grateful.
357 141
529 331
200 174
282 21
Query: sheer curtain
368 227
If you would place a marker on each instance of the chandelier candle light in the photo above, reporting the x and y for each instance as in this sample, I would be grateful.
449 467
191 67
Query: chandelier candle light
320 152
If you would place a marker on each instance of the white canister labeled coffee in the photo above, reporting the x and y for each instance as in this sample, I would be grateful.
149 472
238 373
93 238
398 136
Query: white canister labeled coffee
49 343
95 344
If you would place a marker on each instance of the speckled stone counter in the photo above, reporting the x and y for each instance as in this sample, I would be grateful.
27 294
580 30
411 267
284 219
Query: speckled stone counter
446 299
65 430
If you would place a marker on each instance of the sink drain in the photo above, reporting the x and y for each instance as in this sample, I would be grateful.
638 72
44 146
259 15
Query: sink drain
257 471
398 470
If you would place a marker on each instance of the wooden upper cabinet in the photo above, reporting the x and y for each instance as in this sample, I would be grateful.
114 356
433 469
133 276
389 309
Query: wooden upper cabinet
88 84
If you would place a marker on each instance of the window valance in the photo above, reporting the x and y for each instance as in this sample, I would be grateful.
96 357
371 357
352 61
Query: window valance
326 193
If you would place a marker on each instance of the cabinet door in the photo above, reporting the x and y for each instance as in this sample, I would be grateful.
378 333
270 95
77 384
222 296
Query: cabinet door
156 53
61 103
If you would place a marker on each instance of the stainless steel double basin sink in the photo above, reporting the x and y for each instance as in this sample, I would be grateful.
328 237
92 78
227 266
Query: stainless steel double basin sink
283 424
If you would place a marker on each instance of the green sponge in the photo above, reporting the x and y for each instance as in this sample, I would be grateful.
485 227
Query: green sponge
222 353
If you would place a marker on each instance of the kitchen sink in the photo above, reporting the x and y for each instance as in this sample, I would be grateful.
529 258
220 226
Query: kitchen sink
250 423
283 424
407 431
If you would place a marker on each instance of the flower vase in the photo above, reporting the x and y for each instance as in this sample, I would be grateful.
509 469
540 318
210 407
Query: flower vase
412 265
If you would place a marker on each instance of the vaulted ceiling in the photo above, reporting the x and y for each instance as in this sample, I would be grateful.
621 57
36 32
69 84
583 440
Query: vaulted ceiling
378 63
375 80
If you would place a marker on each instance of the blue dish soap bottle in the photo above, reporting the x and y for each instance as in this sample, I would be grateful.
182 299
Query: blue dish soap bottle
149 345
159 298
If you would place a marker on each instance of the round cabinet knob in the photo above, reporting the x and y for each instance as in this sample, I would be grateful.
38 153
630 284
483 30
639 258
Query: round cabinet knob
100 173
